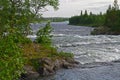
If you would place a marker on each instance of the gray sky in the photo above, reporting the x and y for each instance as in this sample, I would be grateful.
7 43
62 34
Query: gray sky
69 8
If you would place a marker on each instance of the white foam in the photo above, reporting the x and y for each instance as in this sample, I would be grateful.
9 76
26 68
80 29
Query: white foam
58 35
31 36
100 48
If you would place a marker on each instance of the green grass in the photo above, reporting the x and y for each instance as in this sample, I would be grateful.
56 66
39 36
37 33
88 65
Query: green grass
33 52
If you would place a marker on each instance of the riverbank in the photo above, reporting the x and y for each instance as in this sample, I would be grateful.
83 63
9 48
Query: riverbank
44 61
85 25
100 30
104 31
90 71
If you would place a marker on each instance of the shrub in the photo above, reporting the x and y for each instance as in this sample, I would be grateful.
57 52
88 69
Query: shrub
43 35
11 59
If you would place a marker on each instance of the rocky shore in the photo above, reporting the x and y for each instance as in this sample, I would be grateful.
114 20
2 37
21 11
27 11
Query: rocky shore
104 31
89 71
48 67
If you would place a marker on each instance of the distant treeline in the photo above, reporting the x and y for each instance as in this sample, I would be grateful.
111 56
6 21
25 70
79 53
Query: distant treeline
108 23
87 19
112 18
51 19
55 19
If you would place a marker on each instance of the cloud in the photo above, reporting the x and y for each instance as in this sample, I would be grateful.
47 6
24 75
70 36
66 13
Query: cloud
69 8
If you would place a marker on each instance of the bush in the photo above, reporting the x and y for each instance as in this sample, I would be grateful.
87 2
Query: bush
43 35
11 59
66 55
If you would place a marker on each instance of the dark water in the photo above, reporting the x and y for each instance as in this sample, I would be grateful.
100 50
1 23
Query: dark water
86 48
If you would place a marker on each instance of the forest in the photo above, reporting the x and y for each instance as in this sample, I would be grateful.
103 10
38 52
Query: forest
88 19
56 19
107 23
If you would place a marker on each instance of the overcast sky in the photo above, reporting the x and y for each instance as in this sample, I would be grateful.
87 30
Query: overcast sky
69 8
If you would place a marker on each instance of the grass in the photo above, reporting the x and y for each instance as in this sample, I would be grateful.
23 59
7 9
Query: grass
33 52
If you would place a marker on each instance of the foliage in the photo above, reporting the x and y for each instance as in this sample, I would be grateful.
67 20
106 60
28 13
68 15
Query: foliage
43 35
34 52
11 59
66 55
87 19
112 19
56 19
15 17
15 14
19 13
115 5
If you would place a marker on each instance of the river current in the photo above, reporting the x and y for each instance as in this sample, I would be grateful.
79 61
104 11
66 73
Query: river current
85 47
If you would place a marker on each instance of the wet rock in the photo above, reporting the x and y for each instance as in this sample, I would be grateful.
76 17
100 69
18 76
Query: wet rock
116 61
72 61
67 65
48 67
30 73
57 64
47 61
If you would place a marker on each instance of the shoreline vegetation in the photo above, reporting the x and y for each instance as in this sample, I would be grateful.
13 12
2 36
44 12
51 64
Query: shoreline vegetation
19 56
43 59
55 19
107 23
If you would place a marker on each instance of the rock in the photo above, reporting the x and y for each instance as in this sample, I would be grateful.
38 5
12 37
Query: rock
48 67
47 61
72 61
57 64
67 65
100 30
116 61
30 73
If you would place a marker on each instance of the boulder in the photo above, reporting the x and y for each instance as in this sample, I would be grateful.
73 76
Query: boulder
29 73
48 66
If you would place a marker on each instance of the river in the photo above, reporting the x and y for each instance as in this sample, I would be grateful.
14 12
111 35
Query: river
86 49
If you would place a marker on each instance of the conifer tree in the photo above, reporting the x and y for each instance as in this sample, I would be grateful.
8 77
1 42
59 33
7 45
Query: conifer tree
115 5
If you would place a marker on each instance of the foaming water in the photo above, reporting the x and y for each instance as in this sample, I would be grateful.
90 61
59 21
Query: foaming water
88 49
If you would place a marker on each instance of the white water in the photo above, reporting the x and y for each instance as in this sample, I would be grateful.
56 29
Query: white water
87 49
